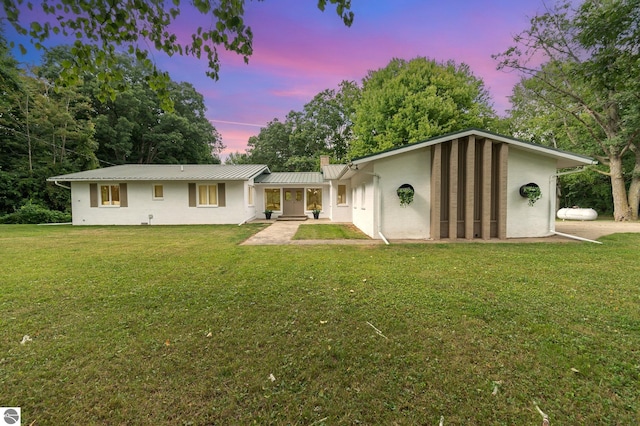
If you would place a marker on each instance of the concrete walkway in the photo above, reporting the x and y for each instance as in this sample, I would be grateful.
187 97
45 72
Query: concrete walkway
278 233
282 232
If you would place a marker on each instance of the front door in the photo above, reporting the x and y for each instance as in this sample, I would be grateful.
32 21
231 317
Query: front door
293 204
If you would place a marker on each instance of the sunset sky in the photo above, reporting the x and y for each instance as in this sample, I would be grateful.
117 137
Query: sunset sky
300 51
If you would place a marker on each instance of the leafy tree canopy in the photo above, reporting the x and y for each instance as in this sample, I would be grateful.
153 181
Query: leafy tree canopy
408 101
324 126
47 130
582 65
101 28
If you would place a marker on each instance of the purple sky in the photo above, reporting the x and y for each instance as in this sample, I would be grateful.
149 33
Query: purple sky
300 51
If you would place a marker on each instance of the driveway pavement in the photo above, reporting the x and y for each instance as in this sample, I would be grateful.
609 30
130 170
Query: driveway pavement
595 229
282 232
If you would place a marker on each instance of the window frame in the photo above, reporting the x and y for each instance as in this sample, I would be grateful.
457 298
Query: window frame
111 203
251 196
264 193
153 192
208 194
306 198
346 201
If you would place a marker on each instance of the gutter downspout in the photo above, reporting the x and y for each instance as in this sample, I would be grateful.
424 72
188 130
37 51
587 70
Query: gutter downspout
379 208
61 185
552 206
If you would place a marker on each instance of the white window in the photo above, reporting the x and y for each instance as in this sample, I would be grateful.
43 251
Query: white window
158 192
353 197
252 192
109 195
363 195
208 195
272 199
342 195
314 198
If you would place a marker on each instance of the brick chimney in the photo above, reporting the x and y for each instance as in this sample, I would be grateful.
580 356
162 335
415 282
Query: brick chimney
324 161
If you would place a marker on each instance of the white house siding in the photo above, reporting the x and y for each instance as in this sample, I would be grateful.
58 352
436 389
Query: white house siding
173 209
413 168
340 212
524 220
363 210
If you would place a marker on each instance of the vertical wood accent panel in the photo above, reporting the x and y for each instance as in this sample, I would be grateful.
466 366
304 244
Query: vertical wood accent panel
469 187
93 194
453 190
124 197
192 194
222 195
436 171
485 225
502 191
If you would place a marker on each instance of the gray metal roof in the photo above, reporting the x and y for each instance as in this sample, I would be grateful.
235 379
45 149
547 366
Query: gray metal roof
291 178
333 171
163 172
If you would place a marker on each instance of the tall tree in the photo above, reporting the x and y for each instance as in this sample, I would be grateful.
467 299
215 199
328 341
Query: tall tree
324 126
100 28
12 151
583 63
536 121
408 101
271 146
134 128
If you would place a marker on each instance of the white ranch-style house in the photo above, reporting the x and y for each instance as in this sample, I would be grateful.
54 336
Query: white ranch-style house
466 185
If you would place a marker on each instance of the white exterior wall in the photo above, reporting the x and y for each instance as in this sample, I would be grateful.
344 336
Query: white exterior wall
173 209
413 168
524 220
363 207
340 212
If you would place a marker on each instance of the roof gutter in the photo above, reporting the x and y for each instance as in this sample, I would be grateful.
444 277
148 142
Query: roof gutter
61 185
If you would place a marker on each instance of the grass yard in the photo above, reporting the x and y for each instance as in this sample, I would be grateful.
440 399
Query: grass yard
179 325
329 231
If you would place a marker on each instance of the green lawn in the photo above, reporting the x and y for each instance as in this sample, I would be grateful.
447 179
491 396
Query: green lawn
329 231
180 325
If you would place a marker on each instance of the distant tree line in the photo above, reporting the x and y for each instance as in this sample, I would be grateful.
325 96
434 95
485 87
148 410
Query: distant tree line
46 130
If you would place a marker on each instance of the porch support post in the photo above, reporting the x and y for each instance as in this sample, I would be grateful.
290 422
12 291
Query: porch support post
502 190
436 189
453 190
486 190
469 189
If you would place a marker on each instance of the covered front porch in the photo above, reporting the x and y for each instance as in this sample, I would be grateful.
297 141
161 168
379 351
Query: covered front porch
293 196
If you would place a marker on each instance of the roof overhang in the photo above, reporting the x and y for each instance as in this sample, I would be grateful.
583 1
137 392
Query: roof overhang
564 159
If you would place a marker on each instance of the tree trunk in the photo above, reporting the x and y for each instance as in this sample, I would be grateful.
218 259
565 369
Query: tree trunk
634 188
621 209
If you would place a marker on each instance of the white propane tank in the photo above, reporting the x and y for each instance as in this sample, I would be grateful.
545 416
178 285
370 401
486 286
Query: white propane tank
577 213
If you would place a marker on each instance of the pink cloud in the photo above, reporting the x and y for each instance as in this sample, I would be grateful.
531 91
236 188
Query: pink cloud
300 51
